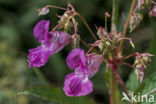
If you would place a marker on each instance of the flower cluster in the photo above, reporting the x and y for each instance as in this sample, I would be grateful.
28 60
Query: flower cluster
140 64
51 43
86 65
107 40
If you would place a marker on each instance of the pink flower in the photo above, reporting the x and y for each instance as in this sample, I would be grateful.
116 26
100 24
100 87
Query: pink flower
51 43
86 66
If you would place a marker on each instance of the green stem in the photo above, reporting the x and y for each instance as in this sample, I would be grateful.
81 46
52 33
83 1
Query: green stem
113 97
113 88
114 15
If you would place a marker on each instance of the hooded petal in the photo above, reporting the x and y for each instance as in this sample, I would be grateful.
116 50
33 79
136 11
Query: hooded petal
56 41
94 62
77 85
41 30
75 58
38 56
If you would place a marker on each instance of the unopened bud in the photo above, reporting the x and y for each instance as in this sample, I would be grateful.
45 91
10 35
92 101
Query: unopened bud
101 33
135 21
43 11
75 41
140 64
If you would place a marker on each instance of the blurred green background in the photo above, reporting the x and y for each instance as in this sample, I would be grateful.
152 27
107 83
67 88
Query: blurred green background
17 19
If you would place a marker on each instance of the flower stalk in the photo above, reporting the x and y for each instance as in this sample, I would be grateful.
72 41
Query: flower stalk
126 26
113 97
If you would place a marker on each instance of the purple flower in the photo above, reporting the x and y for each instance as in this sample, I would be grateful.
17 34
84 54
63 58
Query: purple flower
51 43
78 83
38 56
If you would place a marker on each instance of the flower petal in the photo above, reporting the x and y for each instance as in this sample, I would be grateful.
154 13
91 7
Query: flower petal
38 56
77 85
94 62
56 41
75 58
41 30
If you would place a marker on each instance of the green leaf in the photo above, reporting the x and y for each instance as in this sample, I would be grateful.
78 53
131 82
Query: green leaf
152 50
148 87
55 95
132 82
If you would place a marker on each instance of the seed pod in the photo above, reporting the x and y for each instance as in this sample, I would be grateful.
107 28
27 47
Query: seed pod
135 21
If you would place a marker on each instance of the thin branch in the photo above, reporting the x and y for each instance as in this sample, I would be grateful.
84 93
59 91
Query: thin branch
127 64
127 57
126 26
114 15
86 24
57 7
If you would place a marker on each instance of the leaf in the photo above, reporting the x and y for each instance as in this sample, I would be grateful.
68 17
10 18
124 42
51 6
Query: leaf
148 84
147 87
55 95
132 82
152 50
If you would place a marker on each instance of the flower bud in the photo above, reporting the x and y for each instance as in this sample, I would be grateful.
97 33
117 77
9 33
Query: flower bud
75 41
140 64
43 11
102 33
135 21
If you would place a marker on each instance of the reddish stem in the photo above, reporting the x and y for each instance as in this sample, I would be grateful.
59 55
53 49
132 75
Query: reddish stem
57 7
127 57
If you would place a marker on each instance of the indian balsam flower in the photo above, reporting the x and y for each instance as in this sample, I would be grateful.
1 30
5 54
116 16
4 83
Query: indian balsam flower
85 67
51 43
